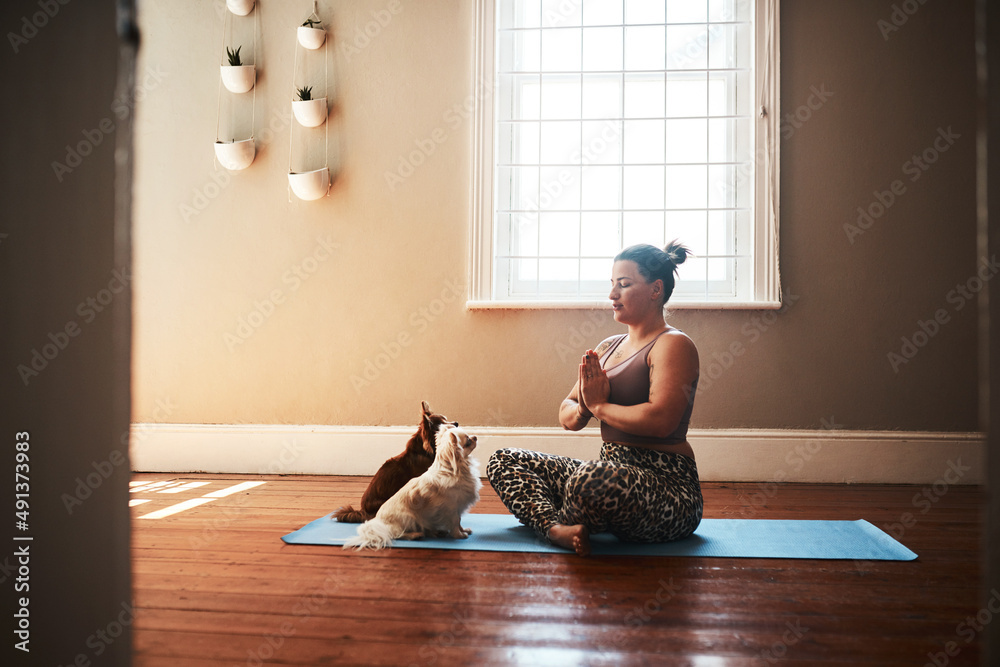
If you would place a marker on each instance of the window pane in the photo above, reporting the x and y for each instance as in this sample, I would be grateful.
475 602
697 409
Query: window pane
560 97
524 237
598 271
687 47
720 233
689 227
561 50
520 51
643 187
620 122
599 235
643 96
602 49
517 188
642 227
692 271
519 13
729 46
687 95
729 10
601 188
517 143
559 189
602 96
644 11
559 13
645 48
725 136
602 12
687 140
687 11
601 142
686 186
560 142
643 142
565 271
558 234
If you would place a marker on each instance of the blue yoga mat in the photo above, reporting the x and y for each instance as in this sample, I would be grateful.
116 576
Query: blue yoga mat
721 538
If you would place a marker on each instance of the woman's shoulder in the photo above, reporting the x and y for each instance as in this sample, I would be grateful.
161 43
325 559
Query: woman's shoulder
674 342
607 343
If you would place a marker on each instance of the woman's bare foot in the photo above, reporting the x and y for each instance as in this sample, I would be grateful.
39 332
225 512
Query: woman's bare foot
575 537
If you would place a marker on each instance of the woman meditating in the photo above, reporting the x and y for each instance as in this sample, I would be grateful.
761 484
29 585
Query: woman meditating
641 387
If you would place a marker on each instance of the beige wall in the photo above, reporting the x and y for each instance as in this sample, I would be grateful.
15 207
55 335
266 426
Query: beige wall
206 255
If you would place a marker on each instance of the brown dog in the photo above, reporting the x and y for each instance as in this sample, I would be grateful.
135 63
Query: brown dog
397 471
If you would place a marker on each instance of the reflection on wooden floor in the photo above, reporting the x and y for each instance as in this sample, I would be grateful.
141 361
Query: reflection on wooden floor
214 585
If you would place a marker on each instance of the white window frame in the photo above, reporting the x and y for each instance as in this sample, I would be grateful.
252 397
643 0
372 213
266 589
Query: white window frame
766 277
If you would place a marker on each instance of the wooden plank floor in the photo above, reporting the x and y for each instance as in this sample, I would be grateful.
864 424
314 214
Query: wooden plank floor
214 585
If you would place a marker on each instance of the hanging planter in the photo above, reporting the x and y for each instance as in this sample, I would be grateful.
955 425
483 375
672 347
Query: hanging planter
309 112
240 7
310 185
311 35
235 155
237 77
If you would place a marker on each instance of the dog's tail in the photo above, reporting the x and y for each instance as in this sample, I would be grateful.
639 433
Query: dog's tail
348 514
374 534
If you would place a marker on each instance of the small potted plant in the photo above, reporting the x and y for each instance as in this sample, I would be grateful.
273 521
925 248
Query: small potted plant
309 112
237 77
311 33
240 7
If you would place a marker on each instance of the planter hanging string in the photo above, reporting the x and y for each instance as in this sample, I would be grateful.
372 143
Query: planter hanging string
326 120
232 108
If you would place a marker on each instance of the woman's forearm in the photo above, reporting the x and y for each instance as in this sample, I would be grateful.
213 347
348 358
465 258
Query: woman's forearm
641 419
571 415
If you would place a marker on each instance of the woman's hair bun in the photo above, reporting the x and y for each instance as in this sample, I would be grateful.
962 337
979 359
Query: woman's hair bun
677 252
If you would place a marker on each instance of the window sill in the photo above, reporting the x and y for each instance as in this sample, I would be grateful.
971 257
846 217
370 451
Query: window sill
603 304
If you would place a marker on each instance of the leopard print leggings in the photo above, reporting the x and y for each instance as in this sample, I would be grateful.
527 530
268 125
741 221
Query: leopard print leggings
637 494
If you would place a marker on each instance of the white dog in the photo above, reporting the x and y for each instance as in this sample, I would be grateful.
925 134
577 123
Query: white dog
431 504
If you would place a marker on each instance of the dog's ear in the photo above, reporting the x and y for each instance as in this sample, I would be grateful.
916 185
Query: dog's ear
426 408
447 453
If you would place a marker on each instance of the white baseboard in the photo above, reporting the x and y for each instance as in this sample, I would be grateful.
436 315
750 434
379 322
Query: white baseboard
820 456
